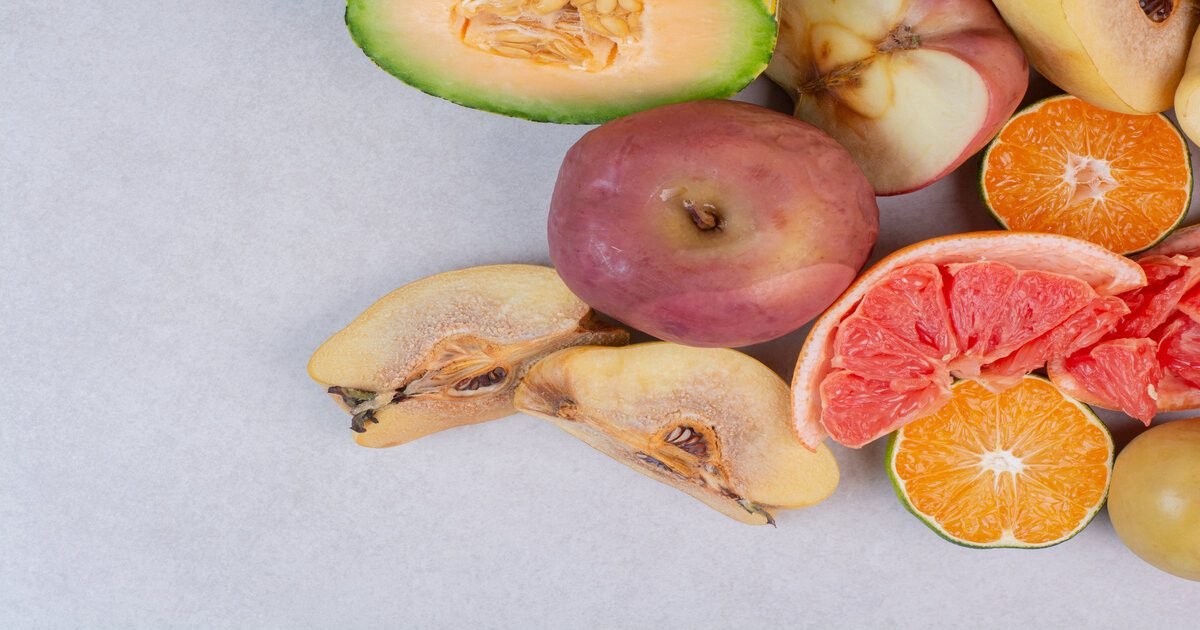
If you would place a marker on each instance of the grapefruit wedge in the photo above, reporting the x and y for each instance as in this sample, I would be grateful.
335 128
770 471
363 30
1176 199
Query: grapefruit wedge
1148 362
887 351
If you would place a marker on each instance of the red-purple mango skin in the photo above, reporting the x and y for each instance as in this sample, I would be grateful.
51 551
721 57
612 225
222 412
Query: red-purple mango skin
814 214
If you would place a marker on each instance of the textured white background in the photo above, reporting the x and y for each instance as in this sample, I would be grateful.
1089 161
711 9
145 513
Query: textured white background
193 195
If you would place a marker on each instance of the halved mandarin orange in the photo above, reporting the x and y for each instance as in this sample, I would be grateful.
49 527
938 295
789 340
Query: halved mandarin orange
1065 167
1027 468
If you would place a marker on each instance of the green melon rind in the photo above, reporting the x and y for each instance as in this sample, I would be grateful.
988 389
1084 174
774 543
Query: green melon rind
763 34
898 487
1162 237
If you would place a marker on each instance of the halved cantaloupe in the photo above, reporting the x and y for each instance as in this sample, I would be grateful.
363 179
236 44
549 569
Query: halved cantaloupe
570 61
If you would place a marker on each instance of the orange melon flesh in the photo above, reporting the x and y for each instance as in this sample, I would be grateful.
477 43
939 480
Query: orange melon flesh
1066 167
687 50
1026 468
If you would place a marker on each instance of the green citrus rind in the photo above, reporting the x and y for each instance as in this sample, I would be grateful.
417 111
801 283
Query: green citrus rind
983 164
931 523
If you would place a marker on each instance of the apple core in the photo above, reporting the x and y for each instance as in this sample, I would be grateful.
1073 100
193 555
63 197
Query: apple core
911 89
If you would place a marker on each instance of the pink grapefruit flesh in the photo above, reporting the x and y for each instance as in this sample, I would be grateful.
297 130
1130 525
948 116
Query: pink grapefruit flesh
1168 278
996 309
894 356
1120 374
1179 349
1106 273
1150 361
1079 331
857 410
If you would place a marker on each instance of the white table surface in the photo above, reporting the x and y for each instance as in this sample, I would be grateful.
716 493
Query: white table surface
193 195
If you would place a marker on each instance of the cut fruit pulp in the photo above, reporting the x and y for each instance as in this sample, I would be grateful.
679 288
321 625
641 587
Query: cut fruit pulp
1179 349
1121 374
894 357
710 422
1107 273
995 309
857 410
1148 363
1080 330
1168 279
448 350
1065 167
912 89
1026 468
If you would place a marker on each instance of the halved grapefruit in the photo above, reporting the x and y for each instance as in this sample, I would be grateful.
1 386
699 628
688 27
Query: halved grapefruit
1147 363
886 352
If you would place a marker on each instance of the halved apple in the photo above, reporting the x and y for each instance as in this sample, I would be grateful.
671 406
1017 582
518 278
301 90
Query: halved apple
911 87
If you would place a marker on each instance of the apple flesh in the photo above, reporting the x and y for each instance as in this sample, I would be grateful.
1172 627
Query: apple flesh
911 87
712 223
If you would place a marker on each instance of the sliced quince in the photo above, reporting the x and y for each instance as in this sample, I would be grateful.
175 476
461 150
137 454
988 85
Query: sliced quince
711 422
449 350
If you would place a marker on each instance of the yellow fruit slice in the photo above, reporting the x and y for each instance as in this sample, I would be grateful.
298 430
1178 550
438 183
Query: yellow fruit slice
1027 468
1066 167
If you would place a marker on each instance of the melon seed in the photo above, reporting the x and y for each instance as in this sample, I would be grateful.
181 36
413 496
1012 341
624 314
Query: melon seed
583 34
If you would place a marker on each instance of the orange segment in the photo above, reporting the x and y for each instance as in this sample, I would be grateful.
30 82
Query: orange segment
1026 468
1065 167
